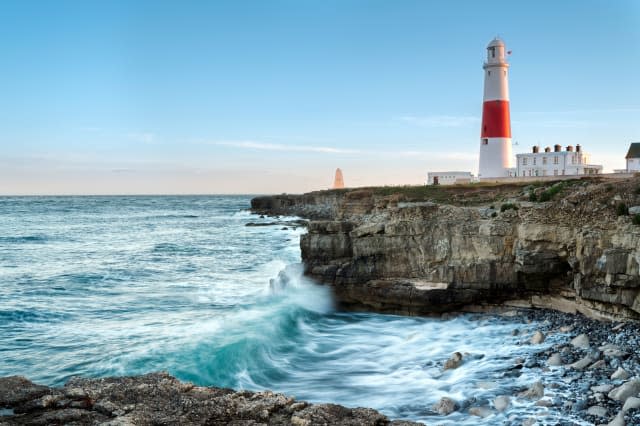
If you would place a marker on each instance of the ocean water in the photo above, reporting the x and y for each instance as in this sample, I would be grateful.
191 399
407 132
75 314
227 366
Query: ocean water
100 286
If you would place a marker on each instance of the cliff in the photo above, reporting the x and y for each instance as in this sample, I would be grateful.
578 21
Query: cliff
159 398
431 250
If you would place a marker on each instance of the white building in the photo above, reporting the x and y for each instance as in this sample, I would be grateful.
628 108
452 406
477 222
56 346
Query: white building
633 158
556 163
448 178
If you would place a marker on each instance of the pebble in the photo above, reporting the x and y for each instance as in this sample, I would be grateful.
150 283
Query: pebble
631 403
454 362
582 364
620 374
555 360
597 410
581 341
626 390
502 403
445 406
537 338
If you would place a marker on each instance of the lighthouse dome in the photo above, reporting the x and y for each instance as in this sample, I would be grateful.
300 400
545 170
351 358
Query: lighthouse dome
496 42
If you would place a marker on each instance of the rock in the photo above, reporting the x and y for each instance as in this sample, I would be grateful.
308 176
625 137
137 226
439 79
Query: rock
445 406
501 403
631 403
610 350
598 365
537 338
566 328
487 385
626 390
597 410
535 392
602 388
454 362
620 374
581 364
634 210
618 420
159 398
480 411
581 341
554 360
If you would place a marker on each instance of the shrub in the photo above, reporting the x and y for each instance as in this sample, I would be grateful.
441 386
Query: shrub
548 194
636 219
532 196
637 191
508 206
608 187
622 209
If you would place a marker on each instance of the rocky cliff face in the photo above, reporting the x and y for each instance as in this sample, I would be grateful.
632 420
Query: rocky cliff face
573 253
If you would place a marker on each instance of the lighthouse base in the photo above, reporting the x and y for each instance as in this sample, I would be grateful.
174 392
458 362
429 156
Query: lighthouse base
495 158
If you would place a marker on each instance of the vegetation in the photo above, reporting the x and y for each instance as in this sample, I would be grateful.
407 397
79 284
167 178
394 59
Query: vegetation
508 206
532 196
549 193
622 209
636 219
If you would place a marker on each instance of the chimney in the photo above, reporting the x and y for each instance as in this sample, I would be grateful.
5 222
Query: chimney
570 148
557 148
578 148
536 149
547 149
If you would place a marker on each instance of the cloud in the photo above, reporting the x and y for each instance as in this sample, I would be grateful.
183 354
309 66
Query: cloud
441 120
262 146
142 137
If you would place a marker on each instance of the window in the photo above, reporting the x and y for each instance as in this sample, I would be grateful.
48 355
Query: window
573 159
524 161
534 161
505 73
485 141
544 160
555 172
488 72
493 52
555 160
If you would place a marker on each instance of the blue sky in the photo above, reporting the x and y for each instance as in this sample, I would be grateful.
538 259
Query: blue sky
271 96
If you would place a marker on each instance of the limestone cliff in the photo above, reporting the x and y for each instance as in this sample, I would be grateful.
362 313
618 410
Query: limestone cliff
396 253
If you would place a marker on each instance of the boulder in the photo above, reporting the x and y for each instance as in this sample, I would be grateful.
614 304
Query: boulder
581 364
581 341
501 403
537 338
535 392
631 404
480 411
597 410
626 390
445 406
555 360
454 362
620 374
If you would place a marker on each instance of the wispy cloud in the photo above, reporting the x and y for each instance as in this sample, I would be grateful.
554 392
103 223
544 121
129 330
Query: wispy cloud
142 137
262 146
441 120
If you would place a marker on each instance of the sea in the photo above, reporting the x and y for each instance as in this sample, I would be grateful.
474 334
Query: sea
123 285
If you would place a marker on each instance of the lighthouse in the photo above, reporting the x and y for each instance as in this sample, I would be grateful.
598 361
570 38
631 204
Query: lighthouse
495 133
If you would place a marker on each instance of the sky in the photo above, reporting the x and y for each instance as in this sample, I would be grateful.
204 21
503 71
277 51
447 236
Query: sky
271 96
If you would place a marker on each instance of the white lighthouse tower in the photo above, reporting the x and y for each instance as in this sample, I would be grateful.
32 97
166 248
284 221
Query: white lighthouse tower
495 133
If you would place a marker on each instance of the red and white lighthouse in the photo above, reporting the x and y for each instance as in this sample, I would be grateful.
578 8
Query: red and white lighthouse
495 134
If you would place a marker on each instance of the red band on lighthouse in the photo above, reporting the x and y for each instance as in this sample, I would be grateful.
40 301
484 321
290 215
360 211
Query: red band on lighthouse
496 122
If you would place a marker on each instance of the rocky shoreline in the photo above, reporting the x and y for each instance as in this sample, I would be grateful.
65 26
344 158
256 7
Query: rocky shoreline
588 375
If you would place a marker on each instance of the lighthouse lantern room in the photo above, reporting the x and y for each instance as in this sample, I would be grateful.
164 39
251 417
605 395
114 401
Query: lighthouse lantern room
495 133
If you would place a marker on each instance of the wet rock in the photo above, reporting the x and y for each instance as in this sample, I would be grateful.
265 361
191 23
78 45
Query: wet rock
537 338
598 365
582 363
597 410
620 374
535 392
501 403
626 390
445 406
602 388
581 341
480 411
454 362
610 350
631 404
15 390
618 420
555 360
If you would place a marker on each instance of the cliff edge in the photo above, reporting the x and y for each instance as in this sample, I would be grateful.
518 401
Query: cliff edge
571 245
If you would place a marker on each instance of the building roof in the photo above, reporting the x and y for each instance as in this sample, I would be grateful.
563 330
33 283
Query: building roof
634 150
